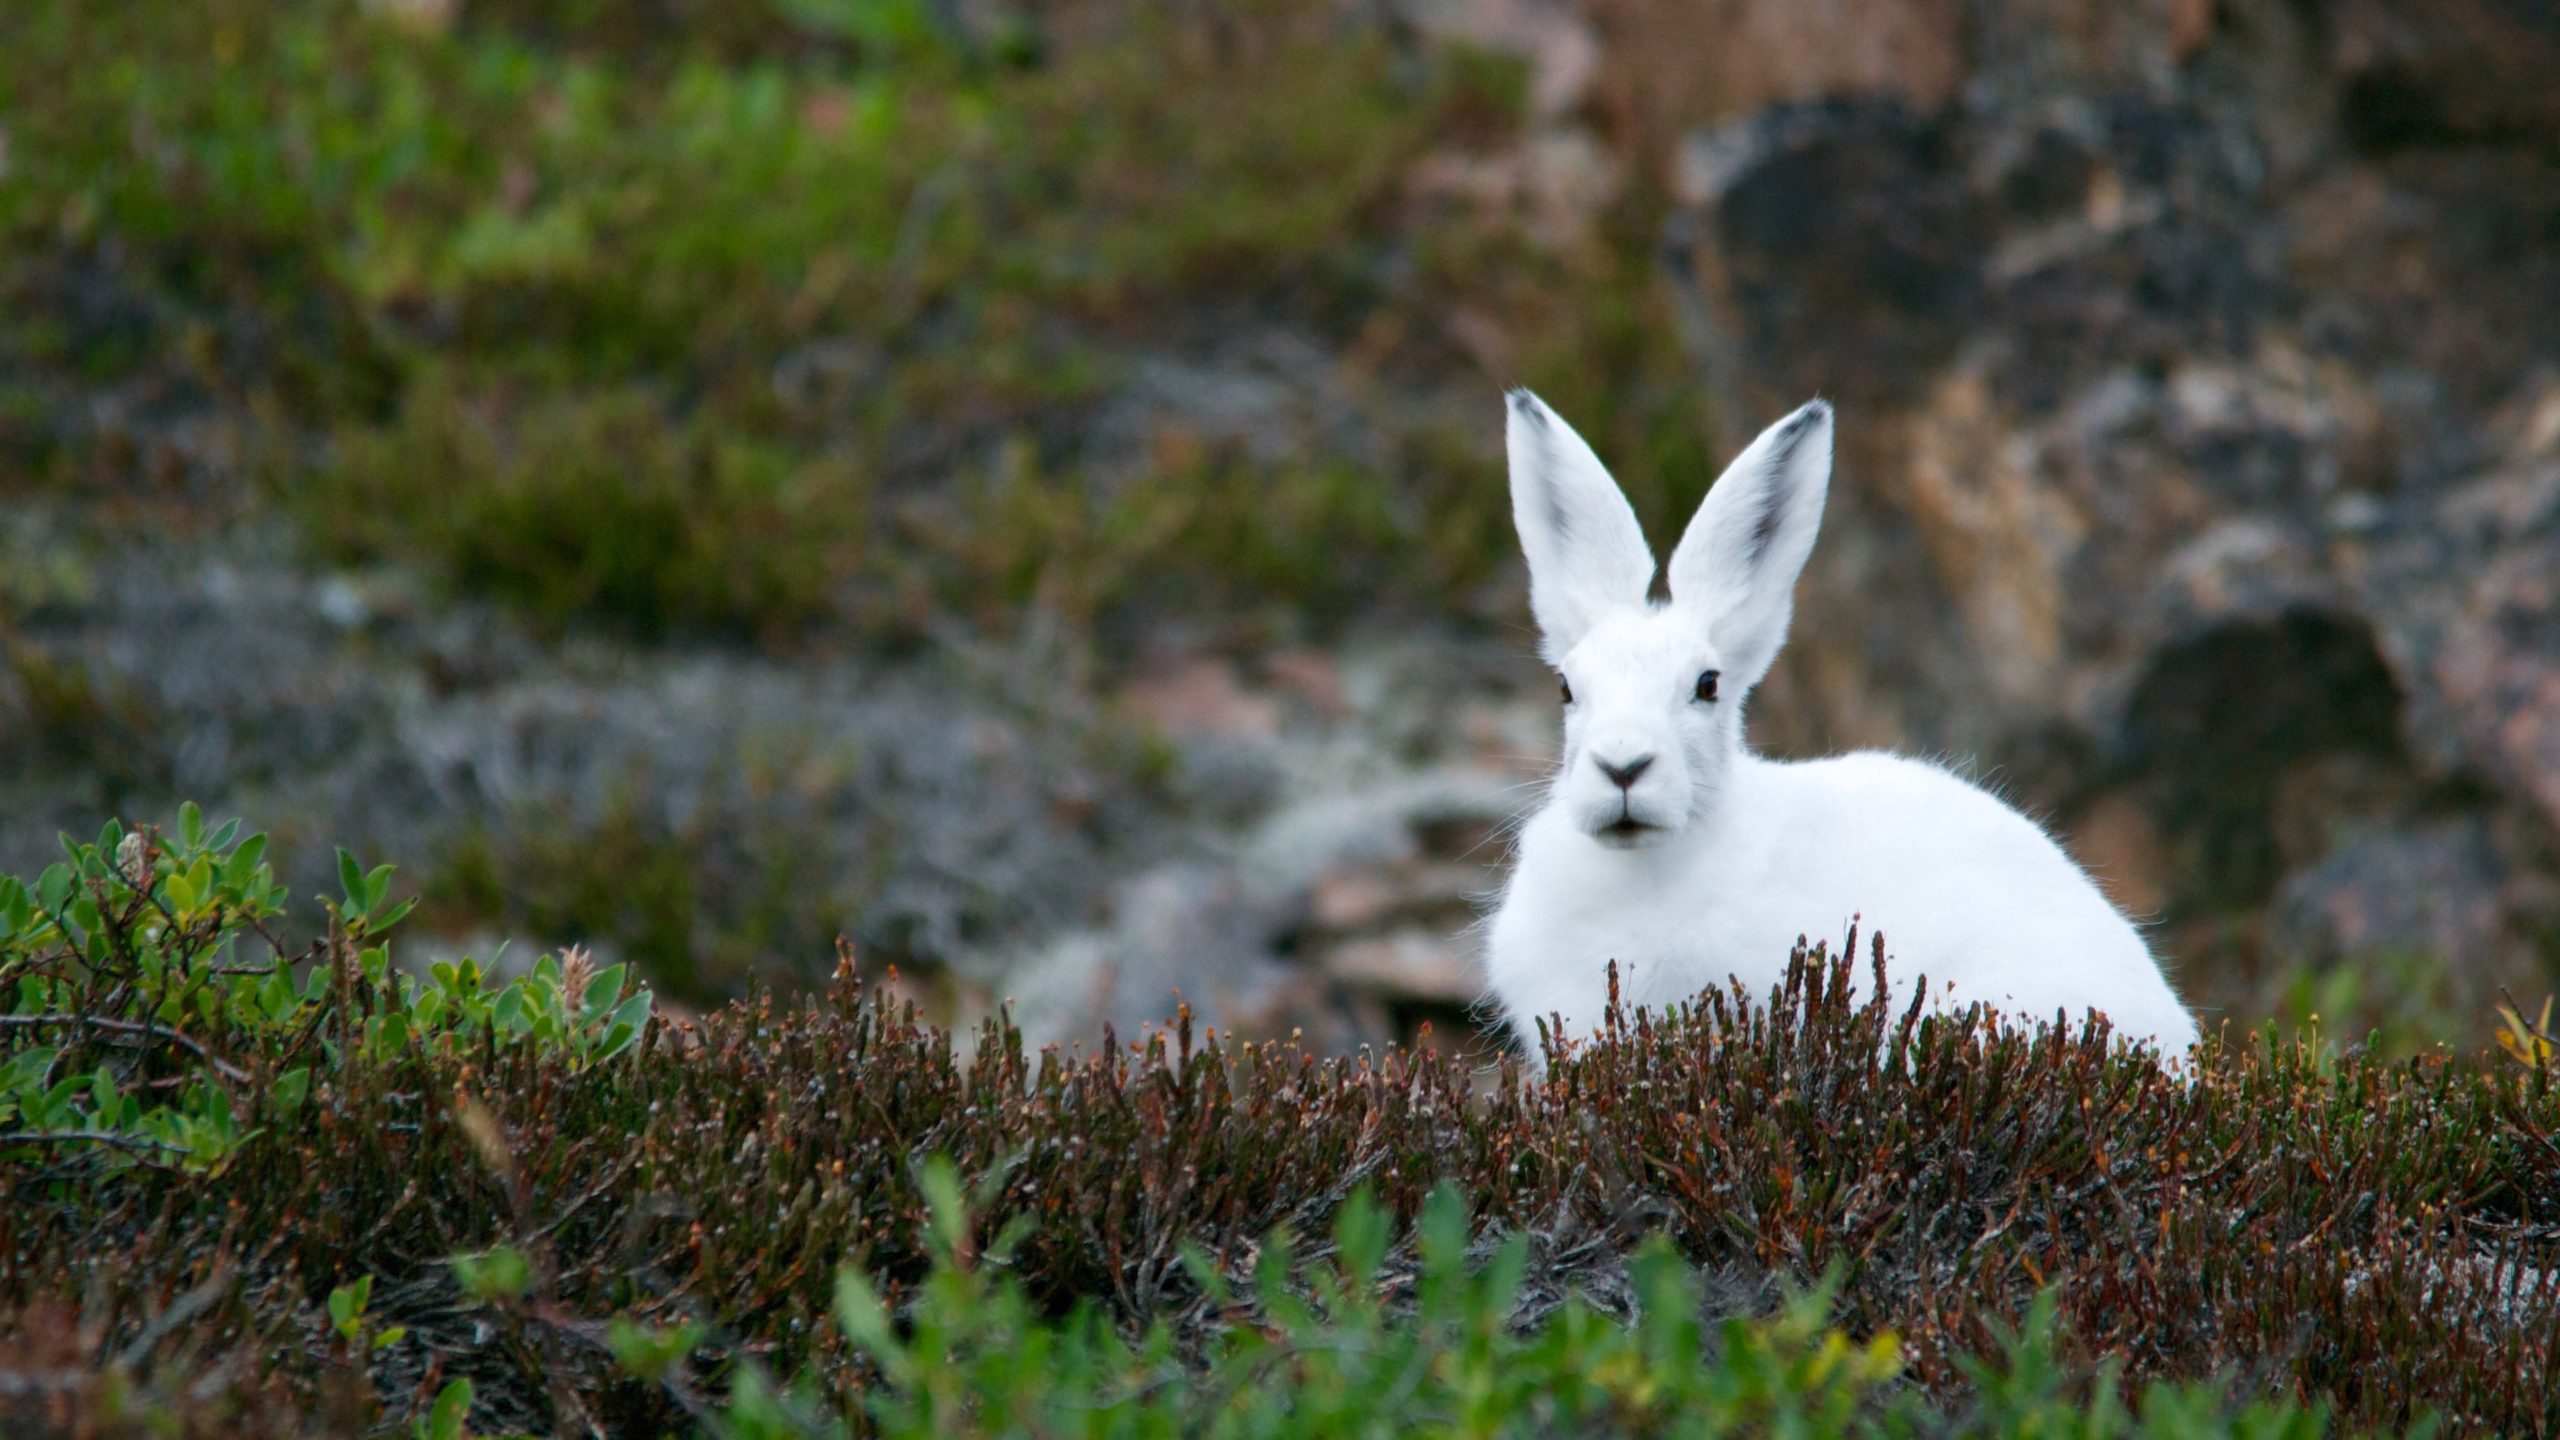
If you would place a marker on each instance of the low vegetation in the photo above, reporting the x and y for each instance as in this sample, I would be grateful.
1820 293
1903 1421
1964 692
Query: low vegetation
801 316
310 1192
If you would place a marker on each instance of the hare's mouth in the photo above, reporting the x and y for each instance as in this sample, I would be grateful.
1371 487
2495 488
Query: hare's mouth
1626 833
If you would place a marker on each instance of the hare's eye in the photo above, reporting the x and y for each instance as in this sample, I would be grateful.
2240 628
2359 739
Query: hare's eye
1568 689
1707 684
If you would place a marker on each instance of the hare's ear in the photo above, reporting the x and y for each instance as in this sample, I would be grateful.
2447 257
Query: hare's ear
1738 564
1586 552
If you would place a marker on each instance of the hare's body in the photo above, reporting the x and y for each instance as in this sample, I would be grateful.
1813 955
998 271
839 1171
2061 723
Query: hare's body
1989 909
1667 847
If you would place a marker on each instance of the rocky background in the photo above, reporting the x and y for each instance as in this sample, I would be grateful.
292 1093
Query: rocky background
1019 488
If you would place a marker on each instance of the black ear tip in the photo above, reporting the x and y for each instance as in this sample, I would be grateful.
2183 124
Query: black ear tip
1813 412
1523 404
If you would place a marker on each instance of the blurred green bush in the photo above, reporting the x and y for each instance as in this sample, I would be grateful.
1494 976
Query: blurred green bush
794 312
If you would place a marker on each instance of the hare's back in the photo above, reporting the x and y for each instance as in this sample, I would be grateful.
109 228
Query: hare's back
1968 891
1908 817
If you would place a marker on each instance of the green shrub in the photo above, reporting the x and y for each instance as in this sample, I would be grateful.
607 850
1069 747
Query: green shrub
596 506
672 326
143 1027
1327 1353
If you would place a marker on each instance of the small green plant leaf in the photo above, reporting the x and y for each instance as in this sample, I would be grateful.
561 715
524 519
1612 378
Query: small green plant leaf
603 990
347 1304
499 1273
351 884
451 1412
651 1352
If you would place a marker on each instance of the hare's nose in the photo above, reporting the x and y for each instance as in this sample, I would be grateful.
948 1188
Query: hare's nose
1625 776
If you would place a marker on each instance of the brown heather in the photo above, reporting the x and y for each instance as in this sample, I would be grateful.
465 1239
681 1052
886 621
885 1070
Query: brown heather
2385 1235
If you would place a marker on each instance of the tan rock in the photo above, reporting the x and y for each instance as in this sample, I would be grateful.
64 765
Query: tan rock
1344 900
1203 697
1414 964
1672 64
2116 842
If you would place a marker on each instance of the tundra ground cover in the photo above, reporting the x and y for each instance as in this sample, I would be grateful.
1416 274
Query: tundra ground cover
314 1187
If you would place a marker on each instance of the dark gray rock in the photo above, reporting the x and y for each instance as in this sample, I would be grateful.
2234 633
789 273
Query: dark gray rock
2200 434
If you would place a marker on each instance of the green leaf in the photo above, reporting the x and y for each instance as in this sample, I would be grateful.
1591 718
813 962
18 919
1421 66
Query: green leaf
351 881
390 1337
243 863
276 996
347 1305
948 1211
1443 1230
26 1069
54 1105
650 1351
604 989
1500 1284
444 1421
1360 1239
191 825
500 1273
626 1025
1204 1272
290 1090
865 1322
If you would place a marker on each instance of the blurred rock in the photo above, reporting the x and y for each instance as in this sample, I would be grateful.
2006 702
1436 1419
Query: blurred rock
2115 837
1410 964
1203 697
1677 63
1346 912
2436 892
921 808
1554 36
2462 70
2197 380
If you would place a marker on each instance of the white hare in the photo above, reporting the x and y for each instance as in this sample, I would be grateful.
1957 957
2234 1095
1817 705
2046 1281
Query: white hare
1666 846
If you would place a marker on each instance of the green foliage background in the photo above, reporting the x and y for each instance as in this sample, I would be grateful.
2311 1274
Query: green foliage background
732 325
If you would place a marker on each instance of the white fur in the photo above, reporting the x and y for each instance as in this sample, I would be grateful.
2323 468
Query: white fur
1713 862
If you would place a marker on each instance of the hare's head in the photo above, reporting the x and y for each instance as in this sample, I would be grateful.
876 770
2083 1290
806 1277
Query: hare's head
1653 690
